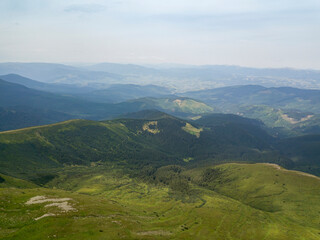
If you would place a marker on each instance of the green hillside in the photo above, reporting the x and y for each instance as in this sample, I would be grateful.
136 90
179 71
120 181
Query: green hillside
175 105
33 152
230 201
284 122
30 153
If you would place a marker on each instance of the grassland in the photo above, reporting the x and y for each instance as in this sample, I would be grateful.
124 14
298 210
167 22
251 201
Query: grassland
192 130
229 201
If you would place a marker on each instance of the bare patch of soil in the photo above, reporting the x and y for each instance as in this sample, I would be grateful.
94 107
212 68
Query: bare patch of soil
61 203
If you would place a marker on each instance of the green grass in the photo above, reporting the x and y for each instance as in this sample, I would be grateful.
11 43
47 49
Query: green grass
7 182
239 201
192 130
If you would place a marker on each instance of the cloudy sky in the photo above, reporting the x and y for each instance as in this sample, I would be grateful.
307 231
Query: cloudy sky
259 33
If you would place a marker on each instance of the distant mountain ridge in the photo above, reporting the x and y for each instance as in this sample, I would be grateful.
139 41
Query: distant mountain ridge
181 78
123 92
54 88
114 93
59 73
52 107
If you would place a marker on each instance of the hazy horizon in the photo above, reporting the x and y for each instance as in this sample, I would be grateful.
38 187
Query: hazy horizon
264 34
156 65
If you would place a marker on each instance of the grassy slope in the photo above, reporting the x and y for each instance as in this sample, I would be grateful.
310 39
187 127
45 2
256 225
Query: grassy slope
174 105
54 145
250 202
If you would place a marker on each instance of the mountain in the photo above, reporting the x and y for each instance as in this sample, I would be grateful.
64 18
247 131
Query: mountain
123 69
23 116
231 98
34 107
59 73
218 119
284 123
304 150
180 78
288 111
209 76
54 88
123 92
12 95
179 106
160 141
146 114
237 130
111 94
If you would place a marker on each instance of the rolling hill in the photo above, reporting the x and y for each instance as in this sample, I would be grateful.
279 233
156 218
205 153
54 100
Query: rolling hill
134 142
231 98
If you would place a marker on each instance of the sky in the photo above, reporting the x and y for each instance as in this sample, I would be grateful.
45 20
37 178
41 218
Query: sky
255 33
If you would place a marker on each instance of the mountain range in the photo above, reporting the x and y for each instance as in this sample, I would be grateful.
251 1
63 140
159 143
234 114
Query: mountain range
181 78
18 101
122 151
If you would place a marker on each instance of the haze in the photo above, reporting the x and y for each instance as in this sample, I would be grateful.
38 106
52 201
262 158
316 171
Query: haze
248 33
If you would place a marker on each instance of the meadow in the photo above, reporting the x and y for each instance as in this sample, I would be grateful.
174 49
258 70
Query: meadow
229 201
